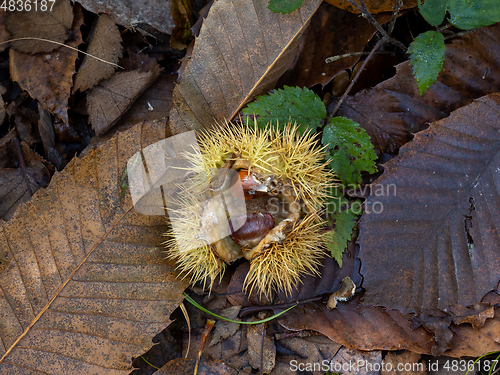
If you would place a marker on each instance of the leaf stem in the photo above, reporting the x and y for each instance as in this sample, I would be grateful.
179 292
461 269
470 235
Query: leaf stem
197 305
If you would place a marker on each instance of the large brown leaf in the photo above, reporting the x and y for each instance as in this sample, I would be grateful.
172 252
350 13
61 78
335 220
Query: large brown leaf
83 281
242 50
429 238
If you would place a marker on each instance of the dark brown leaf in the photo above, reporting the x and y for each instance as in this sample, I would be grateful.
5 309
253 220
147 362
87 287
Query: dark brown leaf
48 77
4 34
14 189
433 244
131 14
374 6
324 38
107 102
392 361
86 285
241 51
261 348
46 129
53 23
105 43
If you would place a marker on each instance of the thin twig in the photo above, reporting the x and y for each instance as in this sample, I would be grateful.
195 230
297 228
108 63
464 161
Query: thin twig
366 14
454 35
398 4
63 45
353 81
352 54
23 165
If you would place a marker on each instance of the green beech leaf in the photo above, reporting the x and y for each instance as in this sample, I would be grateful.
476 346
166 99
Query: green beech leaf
302 105
433 11
284 6
350 148
426 57
471 14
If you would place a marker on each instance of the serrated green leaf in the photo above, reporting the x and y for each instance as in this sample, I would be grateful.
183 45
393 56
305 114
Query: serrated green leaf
433 11
427 57
343 216
284 6
472 14
350 149
301 105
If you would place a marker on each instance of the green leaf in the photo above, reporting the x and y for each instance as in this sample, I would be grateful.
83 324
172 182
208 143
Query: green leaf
284 6
302 105
433 11
471 14
426 57
343 216
350 149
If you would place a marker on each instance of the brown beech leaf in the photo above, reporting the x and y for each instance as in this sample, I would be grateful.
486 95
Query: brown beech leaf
48 77
131 14
358 326
84 283
374 6
324 38
105 43
53 23
242 50
154 104
434 243
14 189
4 34
107 101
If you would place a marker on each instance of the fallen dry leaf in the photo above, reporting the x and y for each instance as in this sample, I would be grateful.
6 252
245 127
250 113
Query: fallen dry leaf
108 101
46 129
242 50
434 243
53 23
105 43
24 119
14 189
324 38
4 34
48 77
207 366
374 6
261 348
132 14
84 283
408 361
354 362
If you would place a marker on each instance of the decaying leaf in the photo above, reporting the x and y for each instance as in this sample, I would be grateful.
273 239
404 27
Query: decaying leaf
395 362
105 43
84 283
107 102
355 362
4 34
434 244
48 77
131 14
154 104
51 20
323 39
242 49
261 348
374 6
224 329
46 129
14 189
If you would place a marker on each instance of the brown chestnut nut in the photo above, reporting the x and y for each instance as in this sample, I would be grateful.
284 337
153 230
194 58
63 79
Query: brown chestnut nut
254 229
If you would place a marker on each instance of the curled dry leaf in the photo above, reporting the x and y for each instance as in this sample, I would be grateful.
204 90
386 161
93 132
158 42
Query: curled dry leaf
435 245
48 77
109 100
84 283
14 189
131 14
54 23
242 49
105 43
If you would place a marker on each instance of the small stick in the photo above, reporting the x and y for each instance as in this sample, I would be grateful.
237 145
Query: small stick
23 165
352 54
349 88
64 45
398 4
